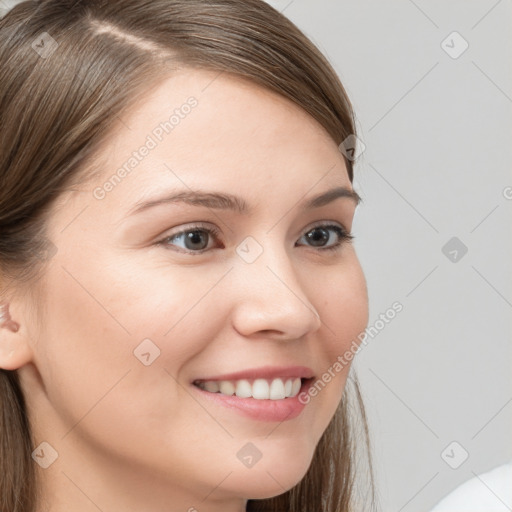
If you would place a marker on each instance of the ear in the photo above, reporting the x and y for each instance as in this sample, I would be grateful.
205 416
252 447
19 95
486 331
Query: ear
15 348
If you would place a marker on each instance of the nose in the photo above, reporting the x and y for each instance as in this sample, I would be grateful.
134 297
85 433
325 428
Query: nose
270 299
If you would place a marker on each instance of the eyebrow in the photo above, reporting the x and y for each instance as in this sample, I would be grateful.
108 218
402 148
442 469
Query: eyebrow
224 201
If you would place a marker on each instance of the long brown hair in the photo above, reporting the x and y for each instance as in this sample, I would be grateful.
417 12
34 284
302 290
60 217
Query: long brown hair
68 69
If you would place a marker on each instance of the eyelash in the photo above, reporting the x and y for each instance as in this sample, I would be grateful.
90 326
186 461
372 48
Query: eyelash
343 235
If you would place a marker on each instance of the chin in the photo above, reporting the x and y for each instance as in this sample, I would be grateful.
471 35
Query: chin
267 485
275 473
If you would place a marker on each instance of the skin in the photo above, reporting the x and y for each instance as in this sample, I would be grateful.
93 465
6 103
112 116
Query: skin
131 437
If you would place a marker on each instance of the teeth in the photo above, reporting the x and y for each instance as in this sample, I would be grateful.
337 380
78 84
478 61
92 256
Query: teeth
260 389
288 386
226 387
211 386
277 390
243 389
296 387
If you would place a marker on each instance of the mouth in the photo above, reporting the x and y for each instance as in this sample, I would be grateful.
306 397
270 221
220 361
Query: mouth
265 394
279 388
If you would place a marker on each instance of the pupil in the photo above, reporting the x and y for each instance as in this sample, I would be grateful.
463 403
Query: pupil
195 237
324 235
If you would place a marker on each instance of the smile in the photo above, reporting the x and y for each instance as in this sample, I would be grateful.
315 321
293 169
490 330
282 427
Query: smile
259 389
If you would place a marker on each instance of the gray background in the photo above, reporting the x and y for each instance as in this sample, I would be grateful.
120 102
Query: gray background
437 132
437 160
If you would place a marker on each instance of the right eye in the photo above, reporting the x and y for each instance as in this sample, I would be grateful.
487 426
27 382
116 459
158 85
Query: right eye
194 239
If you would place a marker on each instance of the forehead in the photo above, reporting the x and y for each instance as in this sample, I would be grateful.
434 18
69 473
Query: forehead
201 128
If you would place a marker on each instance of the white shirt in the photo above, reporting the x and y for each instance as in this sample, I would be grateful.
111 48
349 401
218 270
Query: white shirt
489 492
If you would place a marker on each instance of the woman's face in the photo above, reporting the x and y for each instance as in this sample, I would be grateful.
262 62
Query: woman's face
141 303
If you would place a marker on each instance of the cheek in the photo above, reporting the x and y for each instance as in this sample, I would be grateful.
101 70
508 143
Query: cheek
103 319
95 385
344 309
341 300
85 347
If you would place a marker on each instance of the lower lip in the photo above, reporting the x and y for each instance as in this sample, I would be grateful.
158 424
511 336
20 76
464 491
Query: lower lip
262 410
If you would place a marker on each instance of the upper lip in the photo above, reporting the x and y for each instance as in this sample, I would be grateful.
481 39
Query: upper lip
264 372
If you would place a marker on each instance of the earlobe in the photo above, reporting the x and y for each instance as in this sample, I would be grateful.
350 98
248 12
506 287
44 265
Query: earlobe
14 349
14 357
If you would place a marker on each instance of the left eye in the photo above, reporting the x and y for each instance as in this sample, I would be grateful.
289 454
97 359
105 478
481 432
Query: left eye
195 238
319 234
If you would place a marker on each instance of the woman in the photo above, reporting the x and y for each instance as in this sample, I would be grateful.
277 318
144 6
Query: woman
180 294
